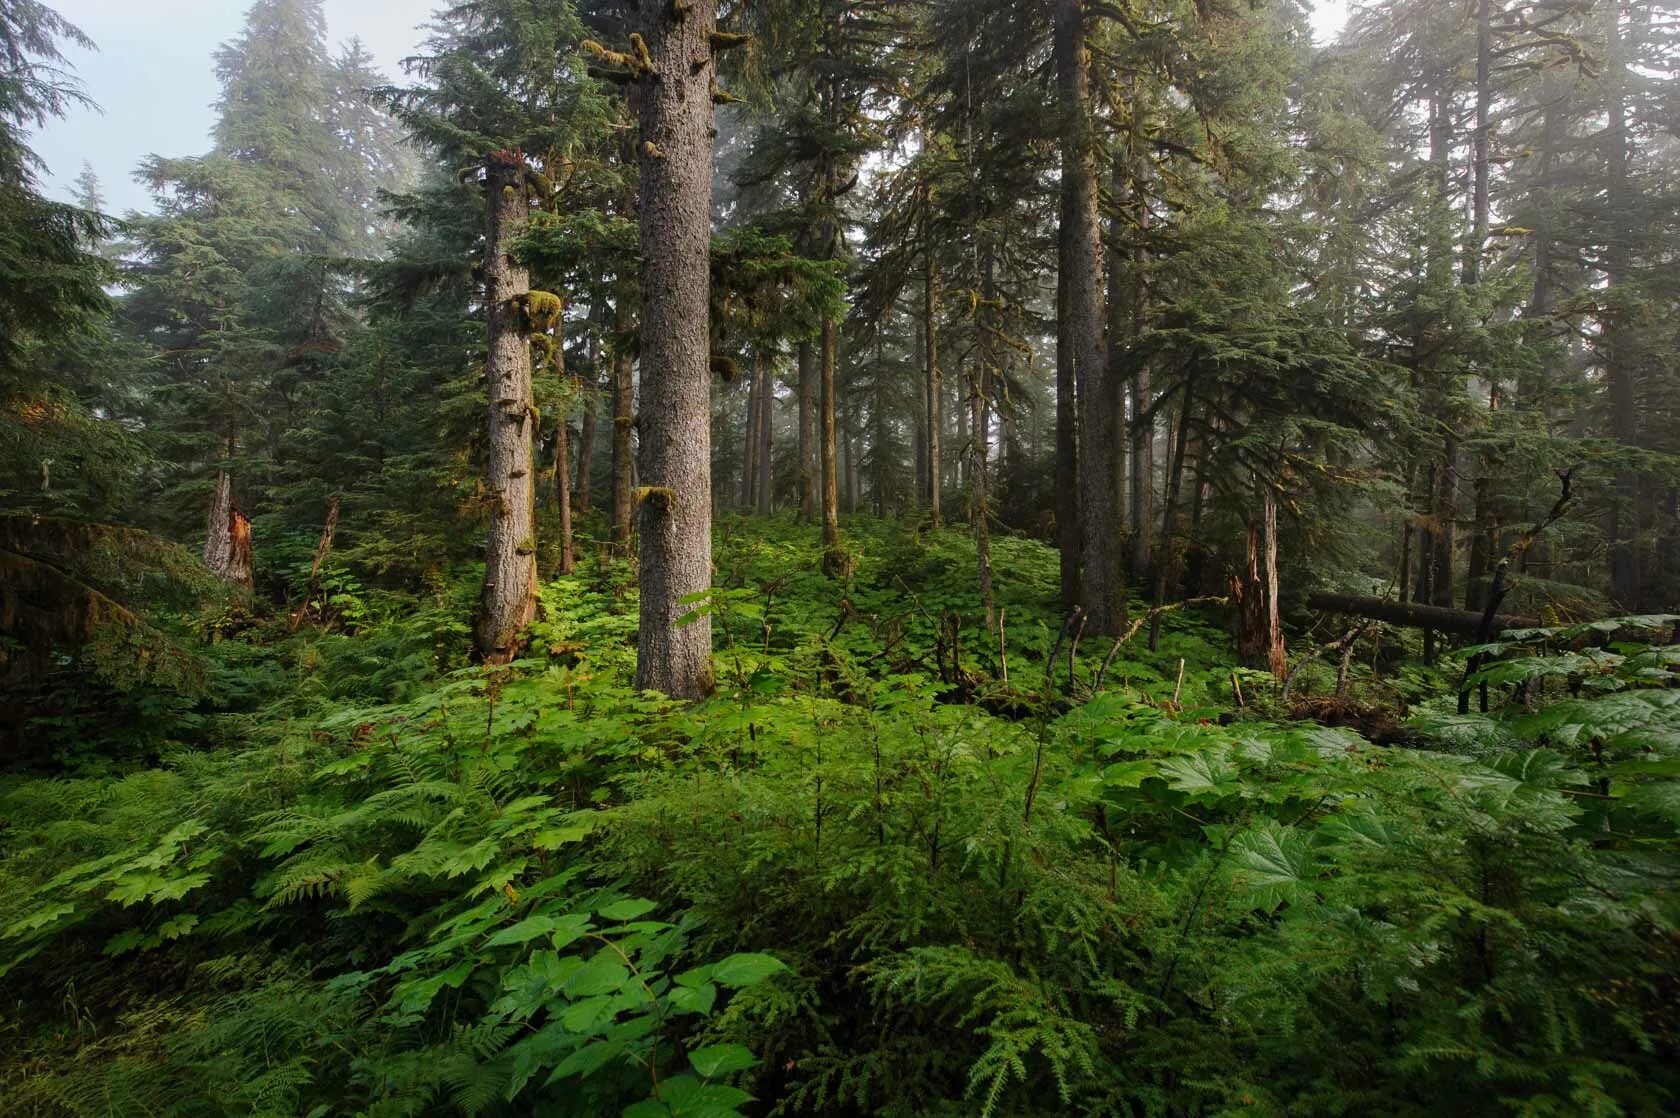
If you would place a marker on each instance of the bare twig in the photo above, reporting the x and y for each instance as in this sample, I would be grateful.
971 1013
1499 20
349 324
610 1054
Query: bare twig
1003 647
1136 627
1346 641
1501 584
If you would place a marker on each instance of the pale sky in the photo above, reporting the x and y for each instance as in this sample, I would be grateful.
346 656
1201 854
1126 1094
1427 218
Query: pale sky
154 76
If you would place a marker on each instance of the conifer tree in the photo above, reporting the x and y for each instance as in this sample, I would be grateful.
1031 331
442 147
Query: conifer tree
672 58
507 94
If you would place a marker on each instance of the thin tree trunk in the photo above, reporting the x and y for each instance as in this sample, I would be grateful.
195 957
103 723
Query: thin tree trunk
1164 549
1480 161
1619 358
673 656
582 496
979 499
1277 656
1067 423
809 390
749 440
935 393
509 599
965 454
1142 488
766 439
562 451
590 395
833 561
623 450
1101 586
563 489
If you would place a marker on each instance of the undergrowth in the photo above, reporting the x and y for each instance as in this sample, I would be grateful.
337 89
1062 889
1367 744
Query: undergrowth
357 876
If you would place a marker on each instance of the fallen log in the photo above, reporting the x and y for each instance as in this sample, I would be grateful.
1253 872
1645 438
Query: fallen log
1459 622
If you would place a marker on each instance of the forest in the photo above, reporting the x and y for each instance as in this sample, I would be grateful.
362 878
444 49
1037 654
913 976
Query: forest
850 557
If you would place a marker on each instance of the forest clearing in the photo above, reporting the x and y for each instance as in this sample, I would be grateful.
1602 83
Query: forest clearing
848 557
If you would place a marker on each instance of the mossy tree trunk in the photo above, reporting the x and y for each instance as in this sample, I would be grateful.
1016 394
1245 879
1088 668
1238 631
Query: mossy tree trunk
508 601
676 117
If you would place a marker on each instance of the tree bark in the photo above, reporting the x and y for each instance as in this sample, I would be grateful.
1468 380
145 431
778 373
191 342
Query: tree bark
674 656
832 560
750 440
589 389
563 489
1619 358
508 602
1462 623
809 389
766 438
228 552
623 449
979 500
1166 549
1142 482
1101 587
587 422
1277 656
1067 424
935 394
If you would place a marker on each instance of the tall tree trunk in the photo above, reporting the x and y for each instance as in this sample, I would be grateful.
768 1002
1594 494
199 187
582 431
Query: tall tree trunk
979 499
1142 487
750 440
228 553
509 599
833 561
1165 549
1444 504
1122 324
766 439
1482 542
965 455
1277 657
676 117
1101 586
809 390
1067 422
1143 474
1435 538
623 449
919 428
582 495
935 393
589 388
1480 138
852 436
1619 356
563 490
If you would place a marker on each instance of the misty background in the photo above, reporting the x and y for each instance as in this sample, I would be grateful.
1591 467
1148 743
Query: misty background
153 78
